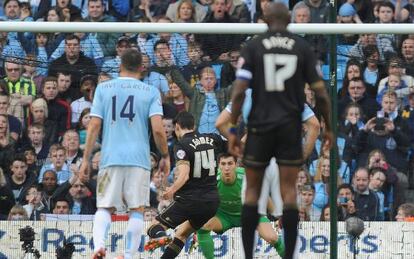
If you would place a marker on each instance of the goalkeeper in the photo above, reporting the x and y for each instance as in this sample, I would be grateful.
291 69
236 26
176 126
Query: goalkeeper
228 216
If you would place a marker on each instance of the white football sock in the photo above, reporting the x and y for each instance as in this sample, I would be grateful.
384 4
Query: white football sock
133 234
101 224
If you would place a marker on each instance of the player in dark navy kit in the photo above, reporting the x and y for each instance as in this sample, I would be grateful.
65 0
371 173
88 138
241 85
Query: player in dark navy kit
276 65
195 192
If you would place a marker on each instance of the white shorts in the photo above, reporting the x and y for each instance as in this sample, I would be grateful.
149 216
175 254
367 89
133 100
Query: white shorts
119 186
271 186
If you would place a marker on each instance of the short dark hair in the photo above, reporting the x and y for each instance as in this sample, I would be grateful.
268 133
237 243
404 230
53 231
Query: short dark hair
71 36
131 60
159 42
185 120
8 1
226 155
369 50
374 170
345 186
19 157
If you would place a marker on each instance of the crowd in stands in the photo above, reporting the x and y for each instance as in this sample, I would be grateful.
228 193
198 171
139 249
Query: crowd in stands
49 81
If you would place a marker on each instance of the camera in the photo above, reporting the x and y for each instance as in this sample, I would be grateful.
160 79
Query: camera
380 121
343 200
27 234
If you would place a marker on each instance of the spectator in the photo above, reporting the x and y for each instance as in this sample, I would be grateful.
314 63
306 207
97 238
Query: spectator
364 9
107 41
372 69
347 14
395 67
153 78
111 66
70 11
407 114
397 85
175 97
61 206
149 10
326 214
73 61
39 114
319 10
71 143
366 201
228 71
30 71
6 197
34 206
198 11
377 179
238 11
30 154
49 186
64 80
307 196
390 135
79 194
218 14
58 109
18 213
58 157
155 187
87 85
301 13
82 125
404 13
177 47
207 102
303 178
89 46
345 202
18 180
96 158
22 91
407 53
405 211
15 126
384 47
353 70
36 139
193 68
7 144
357 94
185 11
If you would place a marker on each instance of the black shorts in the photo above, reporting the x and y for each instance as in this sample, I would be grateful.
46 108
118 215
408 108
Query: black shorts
180 210
284 142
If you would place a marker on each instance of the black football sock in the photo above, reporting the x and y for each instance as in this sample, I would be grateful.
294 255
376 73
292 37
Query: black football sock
173 249
290 220
249 221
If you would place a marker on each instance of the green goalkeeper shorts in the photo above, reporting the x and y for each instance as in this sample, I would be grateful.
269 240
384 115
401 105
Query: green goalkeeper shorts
229 221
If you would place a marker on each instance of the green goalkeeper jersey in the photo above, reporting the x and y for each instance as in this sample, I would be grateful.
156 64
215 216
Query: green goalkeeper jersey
230 194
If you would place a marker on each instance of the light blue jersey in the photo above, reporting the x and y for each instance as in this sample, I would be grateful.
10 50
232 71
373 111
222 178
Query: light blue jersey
125 105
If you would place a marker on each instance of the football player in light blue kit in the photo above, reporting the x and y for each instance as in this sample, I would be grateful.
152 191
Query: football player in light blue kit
123 107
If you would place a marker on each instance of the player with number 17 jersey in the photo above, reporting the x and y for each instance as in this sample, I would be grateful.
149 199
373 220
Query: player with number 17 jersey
278 65
200 151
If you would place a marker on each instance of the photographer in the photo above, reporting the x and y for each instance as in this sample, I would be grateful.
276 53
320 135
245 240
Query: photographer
387 132
345 201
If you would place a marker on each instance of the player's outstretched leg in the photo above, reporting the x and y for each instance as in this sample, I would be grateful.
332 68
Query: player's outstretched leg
267 232
101 224
133 233
290 218
175 247
250 216
205 240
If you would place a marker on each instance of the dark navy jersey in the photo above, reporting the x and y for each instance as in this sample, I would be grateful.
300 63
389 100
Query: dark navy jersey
200 152
277 65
